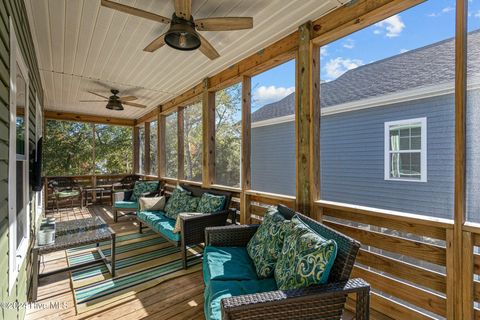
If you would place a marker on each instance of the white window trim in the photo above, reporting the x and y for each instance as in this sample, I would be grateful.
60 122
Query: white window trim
17 255
38 135
423 152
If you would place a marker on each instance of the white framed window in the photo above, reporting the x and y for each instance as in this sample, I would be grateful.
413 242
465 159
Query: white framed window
18 169
38 135
406 150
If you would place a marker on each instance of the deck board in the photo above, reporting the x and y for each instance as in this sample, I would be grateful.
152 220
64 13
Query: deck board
163 301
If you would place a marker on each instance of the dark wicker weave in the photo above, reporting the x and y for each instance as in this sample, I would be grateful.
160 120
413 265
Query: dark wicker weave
193 228
316 302
125 195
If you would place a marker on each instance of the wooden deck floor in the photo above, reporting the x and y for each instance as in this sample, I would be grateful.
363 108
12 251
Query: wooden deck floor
180 298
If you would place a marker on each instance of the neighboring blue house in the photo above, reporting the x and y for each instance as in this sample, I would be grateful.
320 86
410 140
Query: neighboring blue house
387 134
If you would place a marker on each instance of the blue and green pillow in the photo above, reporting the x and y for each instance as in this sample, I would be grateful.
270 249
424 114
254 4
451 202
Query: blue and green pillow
142 187
210 203
306 257
180 201
265 247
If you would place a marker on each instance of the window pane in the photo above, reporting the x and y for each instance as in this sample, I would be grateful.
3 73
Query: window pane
228 123
21 214
374 76
193 141
273 130
113 149
68 148
21 104
473 113
153 148
141 150
171 141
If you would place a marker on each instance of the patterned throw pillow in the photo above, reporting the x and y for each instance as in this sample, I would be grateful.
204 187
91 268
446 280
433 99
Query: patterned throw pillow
142 187
266 244
306 257
210 203
180 201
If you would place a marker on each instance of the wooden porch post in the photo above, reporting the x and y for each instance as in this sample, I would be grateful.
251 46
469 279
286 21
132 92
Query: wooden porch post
147 148
136 150
246 149
208 140
307 120
180 145
161 145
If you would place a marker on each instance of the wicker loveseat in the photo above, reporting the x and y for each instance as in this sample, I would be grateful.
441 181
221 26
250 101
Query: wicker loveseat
233 291
127 200
192 228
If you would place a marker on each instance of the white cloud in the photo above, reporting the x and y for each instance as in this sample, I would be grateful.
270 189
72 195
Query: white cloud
323 51
447 9
393 26
477 14
404 50
349 44
433 14
338 66
377 31
264 95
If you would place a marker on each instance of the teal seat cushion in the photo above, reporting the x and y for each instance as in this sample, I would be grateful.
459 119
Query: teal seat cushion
210 203
306 257
217 290
67 193
126 204
266 244
227 263
142 187
159 223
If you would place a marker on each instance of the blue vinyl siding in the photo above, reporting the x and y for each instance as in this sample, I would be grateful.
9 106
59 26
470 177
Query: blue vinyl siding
473 156
273 158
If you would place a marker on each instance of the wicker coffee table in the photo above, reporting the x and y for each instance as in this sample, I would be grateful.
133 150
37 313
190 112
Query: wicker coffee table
71 234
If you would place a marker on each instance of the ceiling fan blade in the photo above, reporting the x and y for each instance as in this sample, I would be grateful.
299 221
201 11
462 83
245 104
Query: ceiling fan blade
128 98
183 9
224 24
134 104
134 11
155 44
97 94
93 100
207 49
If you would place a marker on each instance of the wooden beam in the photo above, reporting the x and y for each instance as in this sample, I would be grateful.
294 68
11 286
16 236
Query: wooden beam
245 206
136 149
151 116
208 126
307 121
355 16
180 145
87 118
460 150
467 274
146 155
183 98
161 146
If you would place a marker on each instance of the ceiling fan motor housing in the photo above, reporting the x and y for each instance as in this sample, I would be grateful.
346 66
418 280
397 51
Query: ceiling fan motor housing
182 34
114 102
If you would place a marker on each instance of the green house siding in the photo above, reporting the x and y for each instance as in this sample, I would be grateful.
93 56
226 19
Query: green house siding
16 10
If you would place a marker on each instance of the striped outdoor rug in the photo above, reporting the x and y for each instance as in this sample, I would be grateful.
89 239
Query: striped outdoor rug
143 261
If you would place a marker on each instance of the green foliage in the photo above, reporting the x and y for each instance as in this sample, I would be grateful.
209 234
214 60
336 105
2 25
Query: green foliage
171 145
153 148
193 141
69 148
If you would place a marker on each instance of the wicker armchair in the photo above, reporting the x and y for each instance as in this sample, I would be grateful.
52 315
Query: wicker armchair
317 302
64 189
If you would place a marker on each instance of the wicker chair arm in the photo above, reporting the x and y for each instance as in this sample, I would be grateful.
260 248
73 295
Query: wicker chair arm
317 302
122 195
193 227
230 236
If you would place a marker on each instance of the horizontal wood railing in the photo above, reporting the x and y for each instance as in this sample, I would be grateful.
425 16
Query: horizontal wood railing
403 256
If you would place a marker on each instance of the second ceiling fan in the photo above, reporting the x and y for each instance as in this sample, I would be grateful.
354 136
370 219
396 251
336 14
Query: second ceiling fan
182 34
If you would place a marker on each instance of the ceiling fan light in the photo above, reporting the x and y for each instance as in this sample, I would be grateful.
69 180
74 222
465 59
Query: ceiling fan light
114 105
182 35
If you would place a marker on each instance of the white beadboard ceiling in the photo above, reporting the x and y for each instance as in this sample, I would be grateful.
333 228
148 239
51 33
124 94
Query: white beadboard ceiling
81 45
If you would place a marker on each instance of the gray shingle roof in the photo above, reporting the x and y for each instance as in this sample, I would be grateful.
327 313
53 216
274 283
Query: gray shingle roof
429 65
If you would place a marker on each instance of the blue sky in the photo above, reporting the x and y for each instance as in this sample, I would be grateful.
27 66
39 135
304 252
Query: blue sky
422 25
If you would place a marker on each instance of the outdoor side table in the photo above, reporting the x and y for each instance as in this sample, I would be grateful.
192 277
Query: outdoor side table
71 234
92 191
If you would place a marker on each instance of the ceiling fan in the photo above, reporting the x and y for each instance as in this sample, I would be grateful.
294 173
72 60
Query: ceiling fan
114 102
182 34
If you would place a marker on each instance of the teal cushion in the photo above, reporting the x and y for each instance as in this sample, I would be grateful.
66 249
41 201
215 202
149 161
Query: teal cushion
266 244
67 193
210 203
159 223
306 257
180 201
142 187
227 263
126 205
217 290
